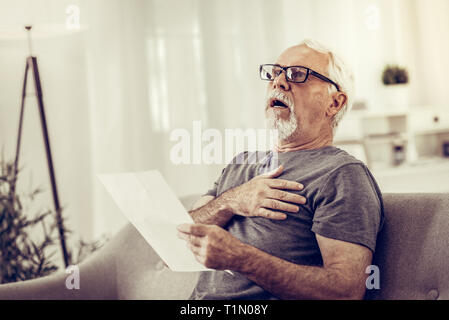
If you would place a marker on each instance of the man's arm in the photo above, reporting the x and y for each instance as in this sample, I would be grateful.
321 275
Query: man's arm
260 196
342 275
211 210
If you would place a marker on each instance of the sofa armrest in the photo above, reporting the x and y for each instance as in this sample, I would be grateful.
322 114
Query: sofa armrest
125 268
97 281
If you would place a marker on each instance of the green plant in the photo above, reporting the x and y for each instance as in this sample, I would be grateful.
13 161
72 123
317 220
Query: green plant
393 74
27 245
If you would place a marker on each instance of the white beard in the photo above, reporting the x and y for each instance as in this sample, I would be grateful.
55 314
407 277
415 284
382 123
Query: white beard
285 128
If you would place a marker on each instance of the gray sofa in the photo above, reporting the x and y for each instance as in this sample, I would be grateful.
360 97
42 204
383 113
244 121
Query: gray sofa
412 256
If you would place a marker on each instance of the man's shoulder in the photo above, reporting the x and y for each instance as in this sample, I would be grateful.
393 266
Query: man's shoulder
340 158
333 164
350 172
341 162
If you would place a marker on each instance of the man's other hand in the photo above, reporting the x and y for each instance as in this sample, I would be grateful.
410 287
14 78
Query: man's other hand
213 246
264 194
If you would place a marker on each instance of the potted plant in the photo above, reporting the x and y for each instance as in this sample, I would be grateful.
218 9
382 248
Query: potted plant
24 256
396 84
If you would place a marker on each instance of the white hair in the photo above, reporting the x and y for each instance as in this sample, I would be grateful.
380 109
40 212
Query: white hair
339 72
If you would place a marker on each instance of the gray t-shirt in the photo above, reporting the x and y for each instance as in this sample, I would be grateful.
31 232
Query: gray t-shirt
343 202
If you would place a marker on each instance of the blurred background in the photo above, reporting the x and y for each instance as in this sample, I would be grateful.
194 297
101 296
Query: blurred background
118 76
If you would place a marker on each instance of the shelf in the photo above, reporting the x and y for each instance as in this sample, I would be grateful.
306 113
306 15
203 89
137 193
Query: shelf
380 113
431 131
422 131
387 138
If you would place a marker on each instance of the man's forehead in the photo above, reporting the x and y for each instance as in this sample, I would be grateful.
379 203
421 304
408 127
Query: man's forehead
302 55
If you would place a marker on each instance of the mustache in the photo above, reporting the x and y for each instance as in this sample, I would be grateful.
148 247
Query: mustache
279 95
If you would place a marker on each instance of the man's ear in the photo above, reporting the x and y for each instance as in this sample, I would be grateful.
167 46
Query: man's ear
339 100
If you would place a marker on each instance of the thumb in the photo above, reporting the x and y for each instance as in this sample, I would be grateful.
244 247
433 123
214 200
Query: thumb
273 173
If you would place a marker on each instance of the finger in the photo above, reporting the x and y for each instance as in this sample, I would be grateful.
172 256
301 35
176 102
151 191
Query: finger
183 236
284 184
273 173
197 253
286 196
195 249
195 229
279 205
270 214
193 240
185 227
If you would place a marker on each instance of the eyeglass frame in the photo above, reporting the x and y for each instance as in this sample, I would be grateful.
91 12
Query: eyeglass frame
309 72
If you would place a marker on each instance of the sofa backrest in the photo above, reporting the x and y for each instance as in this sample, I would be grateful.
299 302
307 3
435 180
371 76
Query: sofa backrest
412 251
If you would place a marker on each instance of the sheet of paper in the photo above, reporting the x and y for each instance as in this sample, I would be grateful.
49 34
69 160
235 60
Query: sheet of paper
151 206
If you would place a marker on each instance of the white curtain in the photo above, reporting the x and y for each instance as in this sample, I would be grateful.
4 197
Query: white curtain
138 69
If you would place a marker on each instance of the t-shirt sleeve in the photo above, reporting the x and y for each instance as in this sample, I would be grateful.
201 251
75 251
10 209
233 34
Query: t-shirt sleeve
349 207
213 191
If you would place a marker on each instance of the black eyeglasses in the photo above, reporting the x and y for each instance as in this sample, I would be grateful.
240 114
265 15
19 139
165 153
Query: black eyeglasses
297 74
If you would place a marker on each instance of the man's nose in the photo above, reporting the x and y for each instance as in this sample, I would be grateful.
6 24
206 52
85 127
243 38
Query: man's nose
280 82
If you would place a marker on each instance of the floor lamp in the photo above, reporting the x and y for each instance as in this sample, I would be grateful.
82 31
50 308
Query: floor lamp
31 66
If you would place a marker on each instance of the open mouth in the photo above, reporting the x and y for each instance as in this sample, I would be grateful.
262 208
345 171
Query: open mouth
275 103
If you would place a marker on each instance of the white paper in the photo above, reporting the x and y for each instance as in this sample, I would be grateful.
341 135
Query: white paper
151 206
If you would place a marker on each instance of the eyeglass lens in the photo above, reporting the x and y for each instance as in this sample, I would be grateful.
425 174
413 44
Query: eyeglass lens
296 74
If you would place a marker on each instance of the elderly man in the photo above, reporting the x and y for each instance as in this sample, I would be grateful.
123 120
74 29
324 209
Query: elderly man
307 229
